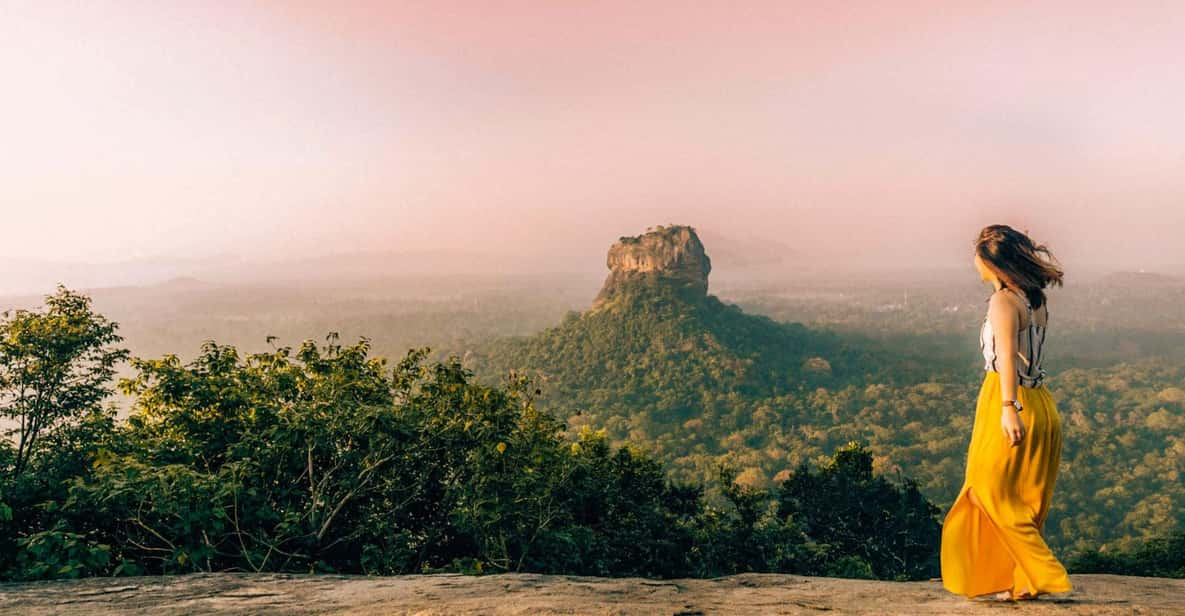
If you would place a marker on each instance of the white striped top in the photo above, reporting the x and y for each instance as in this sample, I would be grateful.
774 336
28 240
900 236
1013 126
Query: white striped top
1029 343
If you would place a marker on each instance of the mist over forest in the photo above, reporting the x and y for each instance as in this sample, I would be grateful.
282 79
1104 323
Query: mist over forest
405 300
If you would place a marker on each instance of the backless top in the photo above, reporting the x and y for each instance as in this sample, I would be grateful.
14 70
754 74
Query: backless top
1029 343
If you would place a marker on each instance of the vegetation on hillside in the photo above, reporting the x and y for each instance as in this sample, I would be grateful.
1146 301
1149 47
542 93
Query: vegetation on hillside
324 458
702 383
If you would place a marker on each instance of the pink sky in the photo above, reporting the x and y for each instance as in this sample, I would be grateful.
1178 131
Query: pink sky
887 130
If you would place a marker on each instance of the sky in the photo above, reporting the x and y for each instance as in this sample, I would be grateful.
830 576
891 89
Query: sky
870 132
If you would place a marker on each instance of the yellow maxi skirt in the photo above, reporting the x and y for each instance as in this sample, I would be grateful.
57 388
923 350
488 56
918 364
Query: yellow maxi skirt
1001 547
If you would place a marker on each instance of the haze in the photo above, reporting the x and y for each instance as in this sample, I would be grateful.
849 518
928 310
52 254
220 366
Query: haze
158 135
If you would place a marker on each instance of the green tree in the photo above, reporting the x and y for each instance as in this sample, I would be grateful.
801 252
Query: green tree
870 527
55 370
1161 556
55 366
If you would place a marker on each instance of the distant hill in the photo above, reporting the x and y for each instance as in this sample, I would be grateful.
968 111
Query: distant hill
662 347
1140 279
656 349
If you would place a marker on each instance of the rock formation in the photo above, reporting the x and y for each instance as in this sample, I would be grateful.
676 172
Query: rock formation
670 256
544 594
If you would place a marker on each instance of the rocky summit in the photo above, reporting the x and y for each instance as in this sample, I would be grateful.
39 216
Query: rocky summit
665 256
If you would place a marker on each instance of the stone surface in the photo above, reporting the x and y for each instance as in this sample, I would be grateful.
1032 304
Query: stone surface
525 593
671 255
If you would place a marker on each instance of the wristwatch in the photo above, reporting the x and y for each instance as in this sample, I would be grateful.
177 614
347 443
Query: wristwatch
1015 404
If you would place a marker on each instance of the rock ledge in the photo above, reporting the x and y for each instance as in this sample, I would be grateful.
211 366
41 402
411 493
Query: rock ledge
529 593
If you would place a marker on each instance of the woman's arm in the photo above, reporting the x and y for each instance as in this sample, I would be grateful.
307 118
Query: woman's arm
1005 319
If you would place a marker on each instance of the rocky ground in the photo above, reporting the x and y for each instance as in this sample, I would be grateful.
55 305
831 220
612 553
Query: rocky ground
751 593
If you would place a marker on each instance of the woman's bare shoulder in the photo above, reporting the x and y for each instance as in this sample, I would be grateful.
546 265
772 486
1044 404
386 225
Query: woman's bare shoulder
1004 296
1005 306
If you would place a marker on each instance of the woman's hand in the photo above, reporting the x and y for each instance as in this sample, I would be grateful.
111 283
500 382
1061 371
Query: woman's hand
1014 428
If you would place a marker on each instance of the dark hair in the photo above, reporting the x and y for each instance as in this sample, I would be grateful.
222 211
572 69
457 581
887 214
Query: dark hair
1013 257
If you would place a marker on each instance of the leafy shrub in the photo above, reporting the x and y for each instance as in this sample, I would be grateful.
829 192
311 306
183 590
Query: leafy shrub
868 526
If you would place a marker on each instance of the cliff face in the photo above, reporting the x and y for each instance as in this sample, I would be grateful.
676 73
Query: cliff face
672 256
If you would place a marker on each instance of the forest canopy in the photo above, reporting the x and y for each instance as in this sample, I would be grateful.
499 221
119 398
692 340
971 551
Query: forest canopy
324 458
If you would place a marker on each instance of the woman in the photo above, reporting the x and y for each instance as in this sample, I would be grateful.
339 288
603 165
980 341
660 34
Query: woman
991 537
